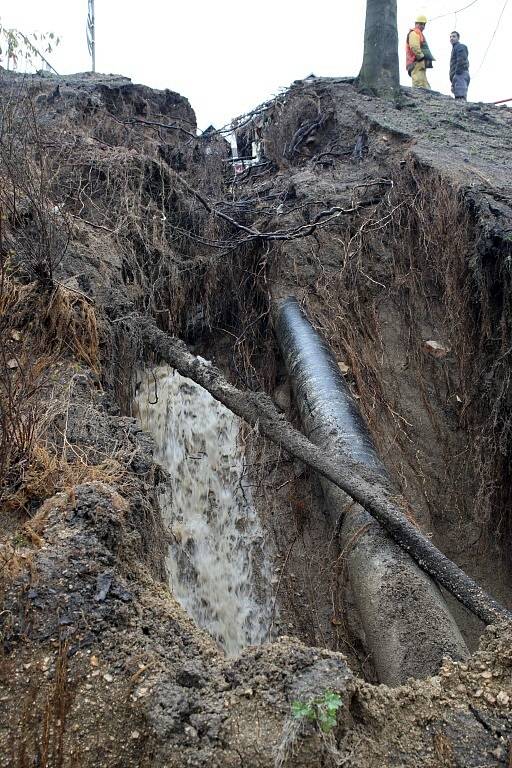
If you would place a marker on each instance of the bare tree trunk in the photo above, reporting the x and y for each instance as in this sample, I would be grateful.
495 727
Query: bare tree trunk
379 73
363 485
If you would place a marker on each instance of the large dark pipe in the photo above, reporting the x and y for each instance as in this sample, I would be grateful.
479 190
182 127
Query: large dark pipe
407 625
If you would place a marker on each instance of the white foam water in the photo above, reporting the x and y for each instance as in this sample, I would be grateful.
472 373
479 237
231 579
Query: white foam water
217 555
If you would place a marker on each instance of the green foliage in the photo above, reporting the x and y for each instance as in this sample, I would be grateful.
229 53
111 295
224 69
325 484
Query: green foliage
17 47
19 540
321 710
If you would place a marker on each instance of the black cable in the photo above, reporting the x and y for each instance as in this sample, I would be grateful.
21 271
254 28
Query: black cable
492 38
454 13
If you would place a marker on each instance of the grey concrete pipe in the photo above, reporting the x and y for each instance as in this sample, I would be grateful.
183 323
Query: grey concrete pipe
407 625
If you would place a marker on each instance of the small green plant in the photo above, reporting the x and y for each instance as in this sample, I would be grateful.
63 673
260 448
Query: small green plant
321 710
19 540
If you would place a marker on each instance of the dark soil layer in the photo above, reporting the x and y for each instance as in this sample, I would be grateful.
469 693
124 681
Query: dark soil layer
106 213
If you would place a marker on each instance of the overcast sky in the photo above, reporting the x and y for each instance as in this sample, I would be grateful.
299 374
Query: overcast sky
228 56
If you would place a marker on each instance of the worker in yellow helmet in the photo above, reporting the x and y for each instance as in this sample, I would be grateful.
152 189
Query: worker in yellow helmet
418 55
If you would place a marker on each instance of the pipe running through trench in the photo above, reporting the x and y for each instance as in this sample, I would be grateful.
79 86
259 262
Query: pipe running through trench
407 625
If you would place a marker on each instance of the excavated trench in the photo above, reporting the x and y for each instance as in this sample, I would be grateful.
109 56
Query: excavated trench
249 566
224 560
221 561
157 571
389 619
288 558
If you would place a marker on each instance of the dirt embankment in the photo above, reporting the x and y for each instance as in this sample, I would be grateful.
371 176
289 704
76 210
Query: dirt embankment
392 227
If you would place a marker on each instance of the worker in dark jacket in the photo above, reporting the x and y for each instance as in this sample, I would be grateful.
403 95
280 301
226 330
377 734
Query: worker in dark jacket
459 67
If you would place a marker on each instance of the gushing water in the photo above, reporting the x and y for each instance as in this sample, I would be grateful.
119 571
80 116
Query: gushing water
217 555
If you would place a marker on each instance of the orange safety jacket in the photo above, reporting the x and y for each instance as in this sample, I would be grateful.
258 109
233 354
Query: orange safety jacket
410 56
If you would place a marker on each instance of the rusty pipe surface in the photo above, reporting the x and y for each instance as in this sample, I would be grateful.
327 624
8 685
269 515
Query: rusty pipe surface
407 625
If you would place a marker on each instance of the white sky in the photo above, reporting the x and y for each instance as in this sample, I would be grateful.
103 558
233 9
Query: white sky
228 56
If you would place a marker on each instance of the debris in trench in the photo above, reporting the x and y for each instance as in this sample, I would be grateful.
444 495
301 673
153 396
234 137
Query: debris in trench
436 349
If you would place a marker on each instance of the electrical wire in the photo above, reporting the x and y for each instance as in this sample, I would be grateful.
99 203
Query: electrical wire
454 13
492 38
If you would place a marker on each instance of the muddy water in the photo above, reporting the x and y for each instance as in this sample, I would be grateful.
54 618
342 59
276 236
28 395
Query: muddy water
217 565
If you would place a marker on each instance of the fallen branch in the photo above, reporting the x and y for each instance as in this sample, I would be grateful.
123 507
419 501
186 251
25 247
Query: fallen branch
364 487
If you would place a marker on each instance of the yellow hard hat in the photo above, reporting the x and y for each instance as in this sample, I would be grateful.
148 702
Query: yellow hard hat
421 19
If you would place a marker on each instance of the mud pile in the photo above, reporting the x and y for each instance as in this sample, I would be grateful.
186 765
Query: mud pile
392 227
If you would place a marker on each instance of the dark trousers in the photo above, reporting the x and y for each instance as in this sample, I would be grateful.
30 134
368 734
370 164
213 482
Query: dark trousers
460 85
